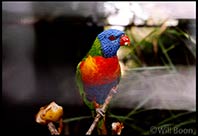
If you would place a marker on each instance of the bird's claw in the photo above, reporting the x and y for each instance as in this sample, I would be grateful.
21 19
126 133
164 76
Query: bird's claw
100 111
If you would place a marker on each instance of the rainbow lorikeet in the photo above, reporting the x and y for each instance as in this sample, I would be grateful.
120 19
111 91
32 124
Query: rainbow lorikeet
99 71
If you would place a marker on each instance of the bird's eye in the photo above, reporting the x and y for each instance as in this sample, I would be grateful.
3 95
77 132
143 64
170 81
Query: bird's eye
112 37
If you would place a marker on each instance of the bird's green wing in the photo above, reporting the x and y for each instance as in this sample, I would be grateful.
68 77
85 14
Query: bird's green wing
81 88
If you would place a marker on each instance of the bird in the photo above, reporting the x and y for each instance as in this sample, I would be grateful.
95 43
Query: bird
99 71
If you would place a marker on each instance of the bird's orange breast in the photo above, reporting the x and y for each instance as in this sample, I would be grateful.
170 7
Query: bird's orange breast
98 70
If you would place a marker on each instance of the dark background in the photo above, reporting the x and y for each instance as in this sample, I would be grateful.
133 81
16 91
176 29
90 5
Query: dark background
59 46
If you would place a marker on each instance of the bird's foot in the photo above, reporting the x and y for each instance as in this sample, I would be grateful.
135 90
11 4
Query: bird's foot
100 111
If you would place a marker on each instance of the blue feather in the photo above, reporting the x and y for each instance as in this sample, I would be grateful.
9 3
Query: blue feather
110 47
99 93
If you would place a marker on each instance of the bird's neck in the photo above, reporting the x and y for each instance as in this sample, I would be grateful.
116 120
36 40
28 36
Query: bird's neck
95 49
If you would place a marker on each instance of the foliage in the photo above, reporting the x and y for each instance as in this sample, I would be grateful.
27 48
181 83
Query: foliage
153 46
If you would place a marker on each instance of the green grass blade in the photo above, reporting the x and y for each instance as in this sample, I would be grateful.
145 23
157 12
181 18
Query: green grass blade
76 119
121 118
185 123
173 117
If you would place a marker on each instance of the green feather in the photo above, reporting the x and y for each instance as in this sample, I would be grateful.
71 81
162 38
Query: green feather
96 48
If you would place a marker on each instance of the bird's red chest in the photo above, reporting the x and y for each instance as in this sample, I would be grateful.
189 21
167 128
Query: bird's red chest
99 70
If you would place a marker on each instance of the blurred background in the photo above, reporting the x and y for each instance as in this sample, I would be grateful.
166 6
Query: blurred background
42 43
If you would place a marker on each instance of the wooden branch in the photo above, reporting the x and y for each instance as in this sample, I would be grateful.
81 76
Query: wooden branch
93 124
52 129
104 106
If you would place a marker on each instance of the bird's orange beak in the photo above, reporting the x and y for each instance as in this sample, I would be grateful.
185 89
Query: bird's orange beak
124 40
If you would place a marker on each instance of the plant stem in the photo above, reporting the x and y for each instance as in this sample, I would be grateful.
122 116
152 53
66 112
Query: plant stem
52 129
93 124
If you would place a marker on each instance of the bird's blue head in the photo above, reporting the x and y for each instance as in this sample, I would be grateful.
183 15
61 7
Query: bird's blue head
111 40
